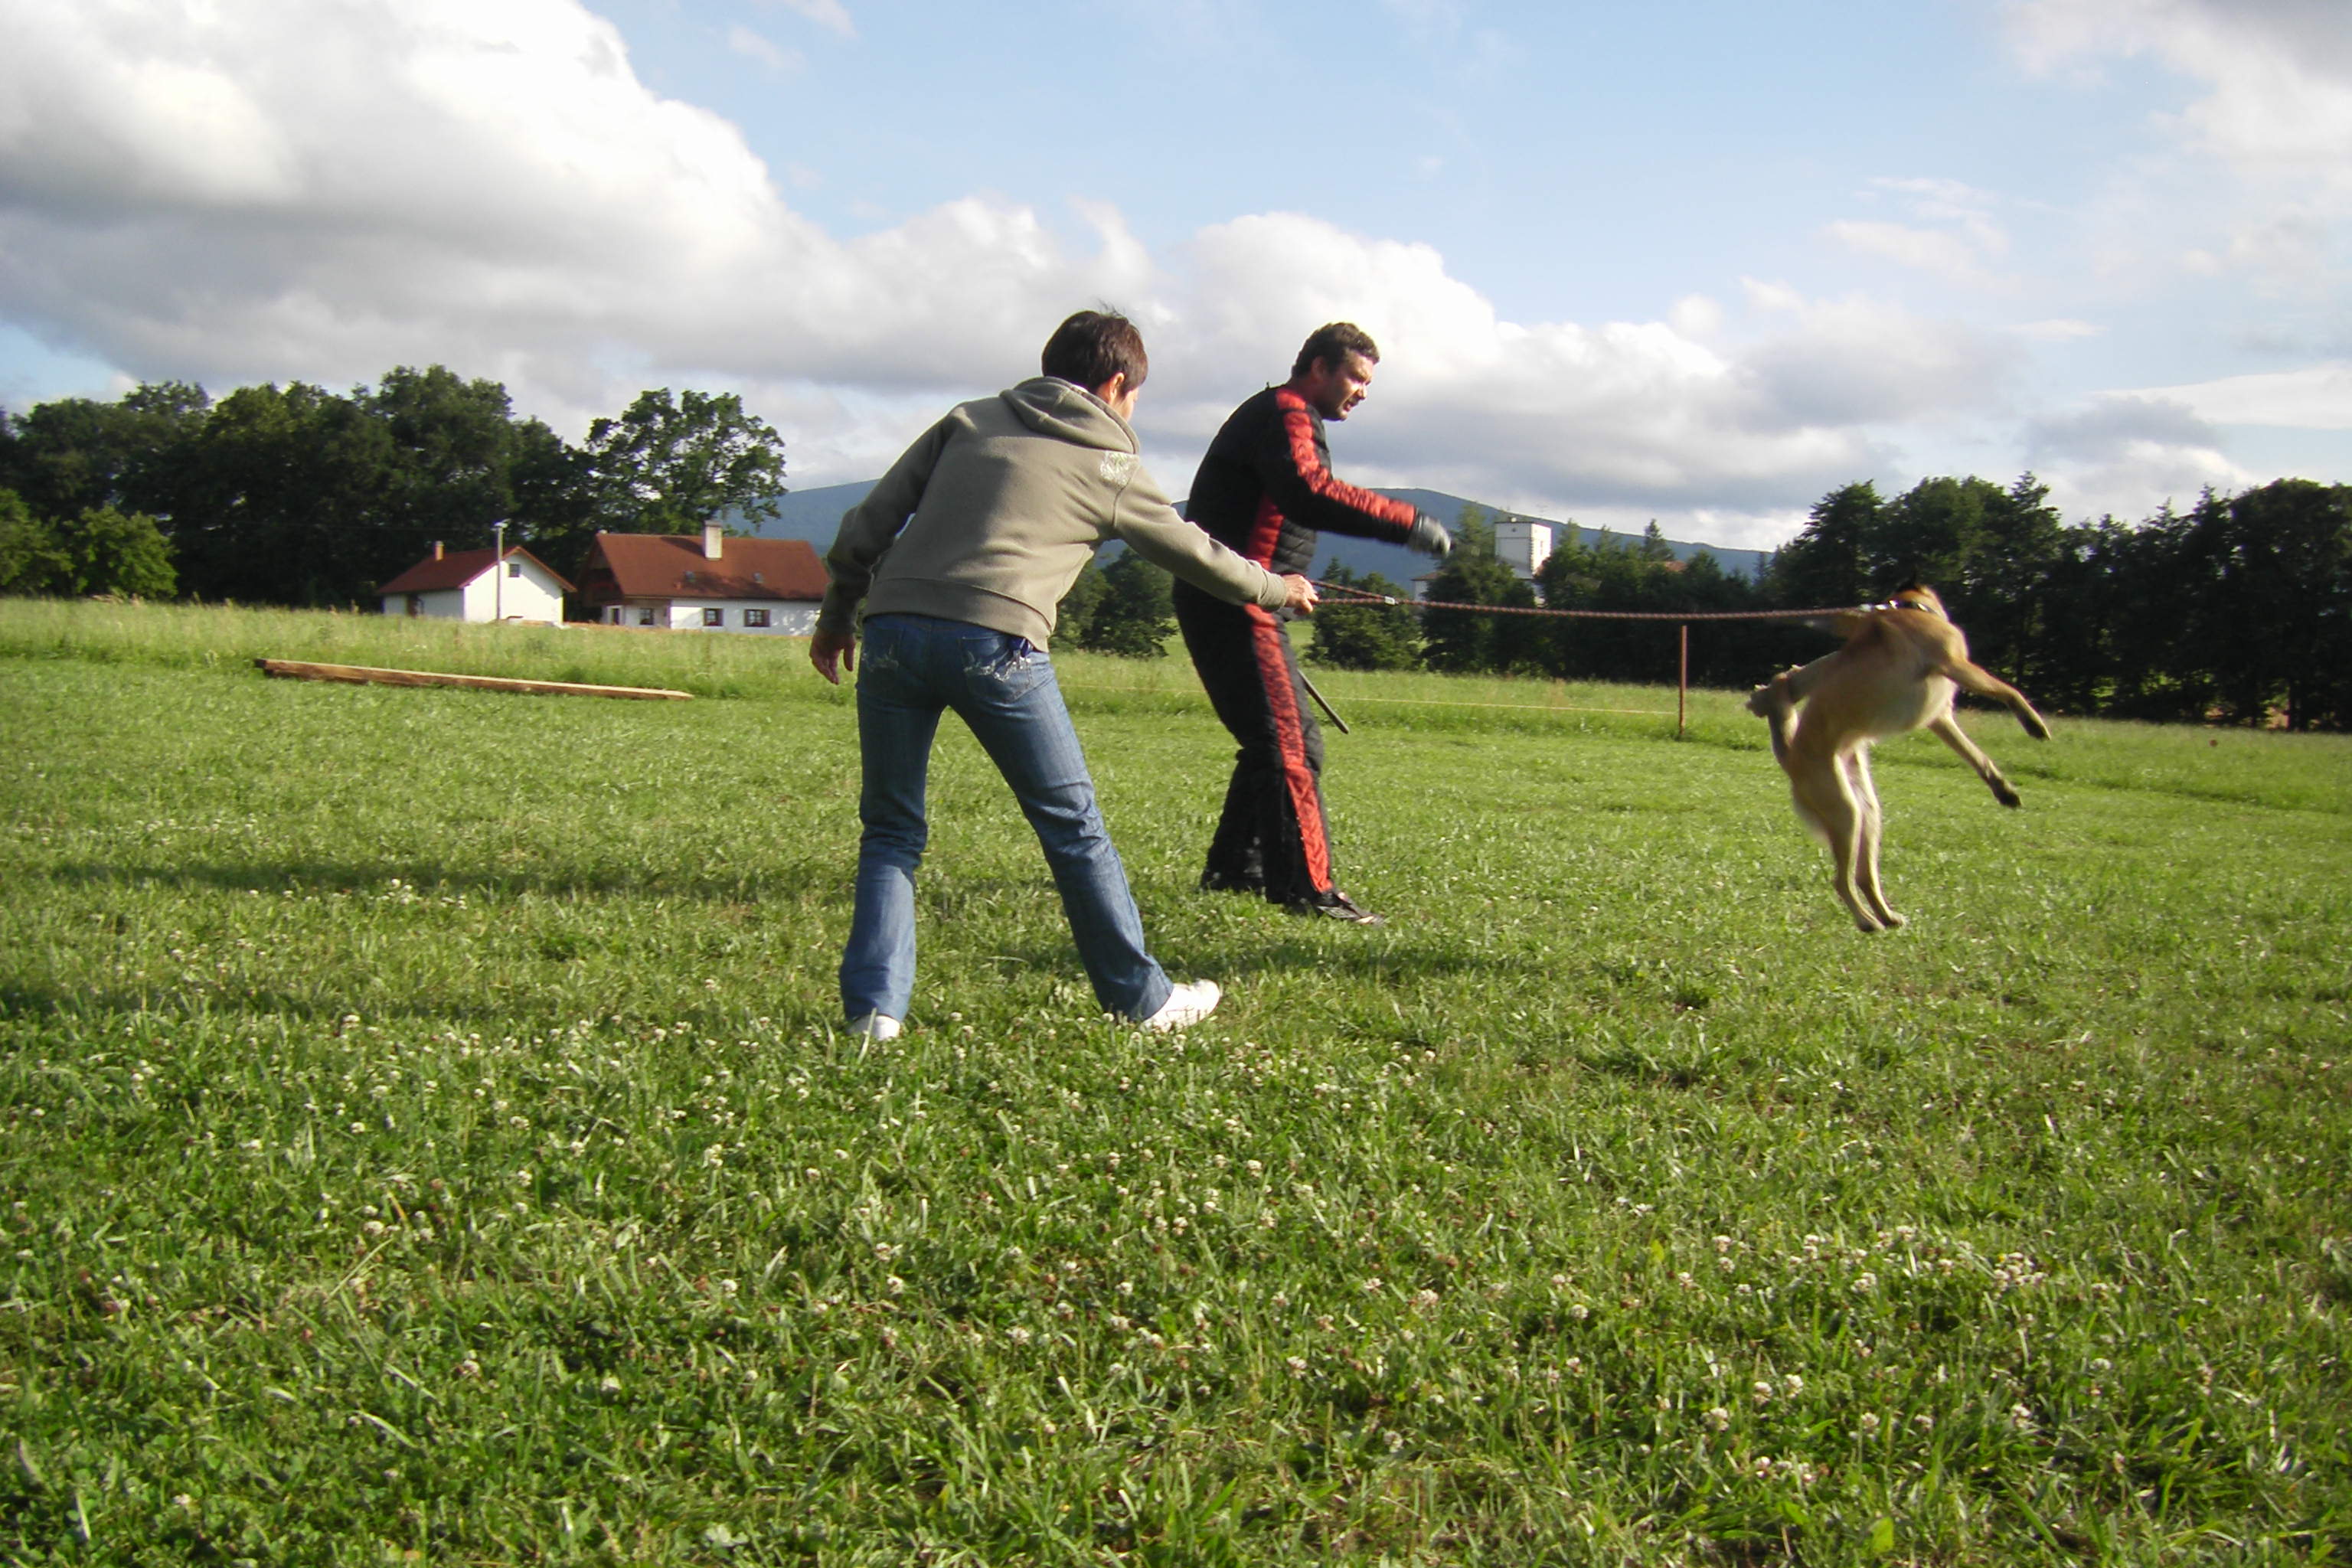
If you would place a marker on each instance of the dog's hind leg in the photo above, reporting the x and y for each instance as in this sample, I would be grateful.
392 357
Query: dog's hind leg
1947 729
1826 804
1865 874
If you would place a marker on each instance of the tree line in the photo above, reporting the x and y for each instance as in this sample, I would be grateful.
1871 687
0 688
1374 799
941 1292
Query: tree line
2239 609
297 495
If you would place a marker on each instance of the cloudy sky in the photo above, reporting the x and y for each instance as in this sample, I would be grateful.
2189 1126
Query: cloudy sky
1699 260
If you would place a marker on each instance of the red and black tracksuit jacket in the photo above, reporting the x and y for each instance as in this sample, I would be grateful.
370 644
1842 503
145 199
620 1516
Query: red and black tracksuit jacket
1266 488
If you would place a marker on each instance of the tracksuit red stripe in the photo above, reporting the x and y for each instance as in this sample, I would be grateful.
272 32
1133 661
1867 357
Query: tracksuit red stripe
1266 641
1298 424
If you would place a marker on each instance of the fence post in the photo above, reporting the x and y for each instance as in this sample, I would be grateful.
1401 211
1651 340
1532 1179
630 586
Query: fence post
1682 678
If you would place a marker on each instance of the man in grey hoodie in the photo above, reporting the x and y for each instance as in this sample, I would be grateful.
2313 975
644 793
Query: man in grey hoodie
960 556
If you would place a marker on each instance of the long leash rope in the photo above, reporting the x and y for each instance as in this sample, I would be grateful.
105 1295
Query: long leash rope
1347 594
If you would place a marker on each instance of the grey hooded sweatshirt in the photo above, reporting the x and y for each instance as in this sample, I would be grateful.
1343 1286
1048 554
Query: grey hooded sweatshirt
990 516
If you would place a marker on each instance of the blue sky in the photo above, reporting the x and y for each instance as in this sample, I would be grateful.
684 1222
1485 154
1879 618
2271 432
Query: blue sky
1698 262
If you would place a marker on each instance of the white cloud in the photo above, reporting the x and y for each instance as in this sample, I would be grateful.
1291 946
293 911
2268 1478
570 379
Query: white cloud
2056 330
2279 71
2129 454
2317 397
825 14
742 41
1959 248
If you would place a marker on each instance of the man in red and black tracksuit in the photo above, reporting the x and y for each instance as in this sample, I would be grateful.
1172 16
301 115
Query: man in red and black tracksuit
1266 488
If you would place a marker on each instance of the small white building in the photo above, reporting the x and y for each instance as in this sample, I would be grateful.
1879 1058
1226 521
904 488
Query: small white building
1523 544
716 583
478 585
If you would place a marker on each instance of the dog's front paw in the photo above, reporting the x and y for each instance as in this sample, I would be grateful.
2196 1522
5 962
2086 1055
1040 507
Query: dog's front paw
1766 700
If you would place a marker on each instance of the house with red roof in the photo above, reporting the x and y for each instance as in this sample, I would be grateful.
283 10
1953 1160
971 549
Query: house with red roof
478 585
719 583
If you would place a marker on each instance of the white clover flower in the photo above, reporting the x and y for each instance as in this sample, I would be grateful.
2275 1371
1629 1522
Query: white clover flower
1763 1392
1297 1366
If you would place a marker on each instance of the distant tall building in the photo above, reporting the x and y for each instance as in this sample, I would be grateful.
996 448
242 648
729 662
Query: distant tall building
1523 544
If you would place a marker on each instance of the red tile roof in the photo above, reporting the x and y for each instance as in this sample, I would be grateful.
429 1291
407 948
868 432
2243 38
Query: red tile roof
672 566
459 567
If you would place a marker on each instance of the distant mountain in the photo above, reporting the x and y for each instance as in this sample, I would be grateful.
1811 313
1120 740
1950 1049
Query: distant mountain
816 516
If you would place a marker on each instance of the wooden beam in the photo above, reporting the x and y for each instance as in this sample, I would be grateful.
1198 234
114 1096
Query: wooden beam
359 674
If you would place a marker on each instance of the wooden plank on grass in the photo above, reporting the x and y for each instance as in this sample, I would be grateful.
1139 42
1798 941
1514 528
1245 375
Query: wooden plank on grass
365 675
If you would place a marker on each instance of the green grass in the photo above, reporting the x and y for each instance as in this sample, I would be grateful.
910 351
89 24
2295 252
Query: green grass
423 1139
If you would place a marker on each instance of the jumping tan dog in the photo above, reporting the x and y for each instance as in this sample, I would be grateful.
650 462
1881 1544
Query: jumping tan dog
1897 672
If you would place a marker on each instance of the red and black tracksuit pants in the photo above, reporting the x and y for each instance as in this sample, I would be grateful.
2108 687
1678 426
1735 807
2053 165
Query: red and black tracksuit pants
1273 837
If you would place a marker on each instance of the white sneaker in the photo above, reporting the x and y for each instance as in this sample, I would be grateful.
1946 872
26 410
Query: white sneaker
1186 1006
873 1027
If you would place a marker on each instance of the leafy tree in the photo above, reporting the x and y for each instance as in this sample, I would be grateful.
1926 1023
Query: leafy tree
1828 564
66 456
1466 640
2268 621
448 469
2006 587
1076 610
1930 534
30 560
1365 637
1136 612
668 464
553 486
277 502
108 552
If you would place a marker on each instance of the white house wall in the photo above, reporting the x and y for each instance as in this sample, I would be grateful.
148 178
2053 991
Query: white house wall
441 604
791 618
529 597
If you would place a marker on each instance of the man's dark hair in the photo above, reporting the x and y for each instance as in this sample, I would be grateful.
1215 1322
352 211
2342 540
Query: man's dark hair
1334 343
1092 346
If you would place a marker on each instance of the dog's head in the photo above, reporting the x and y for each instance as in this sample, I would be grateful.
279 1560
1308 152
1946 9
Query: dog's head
1917 597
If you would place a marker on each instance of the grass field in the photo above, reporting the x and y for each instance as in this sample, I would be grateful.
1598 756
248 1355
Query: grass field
424 1138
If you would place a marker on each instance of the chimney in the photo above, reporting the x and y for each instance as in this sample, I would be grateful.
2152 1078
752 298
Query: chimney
713 539
436 550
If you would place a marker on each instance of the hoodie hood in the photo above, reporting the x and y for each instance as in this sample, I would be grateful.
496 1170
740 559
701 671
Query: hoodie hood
1054 407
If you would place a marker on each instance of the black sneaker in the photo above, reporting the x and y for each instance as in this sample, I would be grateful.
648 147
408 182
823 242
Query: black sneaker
1336 905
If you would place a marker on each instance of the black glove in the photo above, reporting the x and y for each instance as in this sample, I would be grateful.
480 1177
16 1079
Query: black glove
1429 537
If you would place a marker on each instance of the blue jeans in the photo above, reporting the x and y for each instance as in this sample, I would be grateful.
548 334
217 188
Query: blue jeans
912 668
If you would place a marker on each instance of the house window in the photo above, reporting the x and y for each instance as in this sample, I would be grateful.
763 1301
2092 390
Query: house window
714 617
646 617
415 604
755 617
514 568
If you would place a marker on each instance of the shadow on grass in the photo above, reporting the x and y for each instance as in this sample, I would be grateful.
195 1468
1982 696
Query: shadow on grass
437 879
